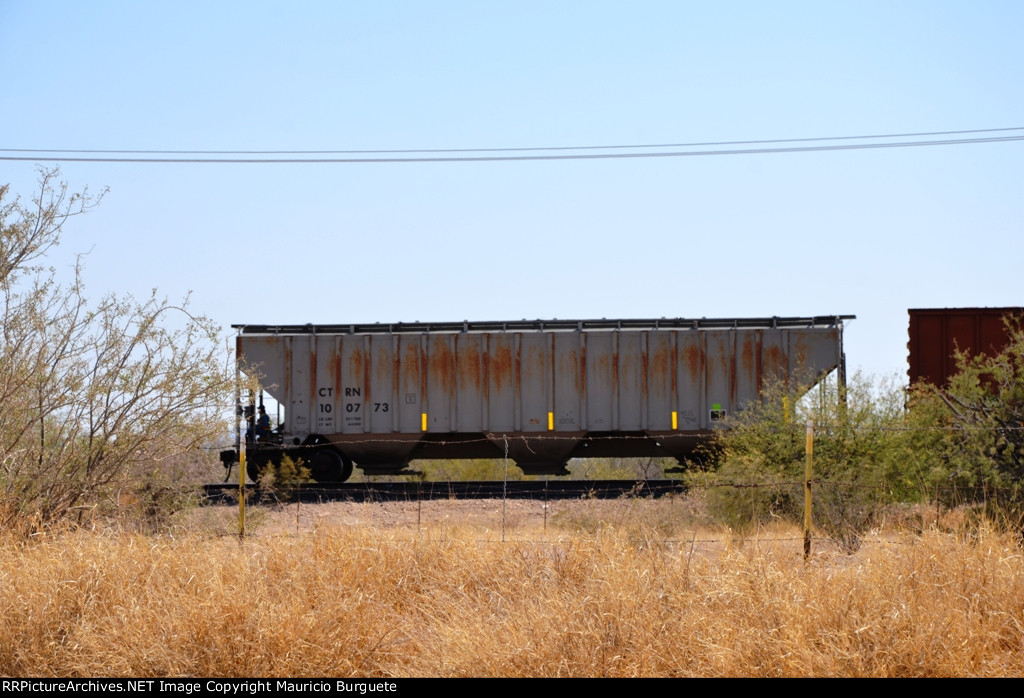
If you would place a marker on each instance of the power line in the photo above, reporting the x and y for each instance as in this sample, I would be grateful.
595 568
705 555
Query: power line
509 158
507 150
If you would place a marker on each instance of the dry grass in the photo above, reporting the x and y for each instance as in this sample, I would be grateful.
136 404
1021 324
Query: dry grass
445 600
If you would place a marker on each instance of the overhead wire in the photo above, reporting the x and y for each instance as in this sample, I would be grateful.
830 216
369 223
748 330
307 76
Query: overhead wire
116 156
502 150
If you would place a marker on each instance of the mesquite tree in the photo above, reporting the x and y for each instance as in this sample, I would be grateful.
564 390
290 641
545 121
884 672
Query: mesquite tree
97 398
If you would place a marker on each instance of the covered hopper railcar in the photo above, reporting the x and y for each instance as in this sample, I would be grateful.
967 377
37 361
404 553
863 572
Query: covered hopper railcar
538 392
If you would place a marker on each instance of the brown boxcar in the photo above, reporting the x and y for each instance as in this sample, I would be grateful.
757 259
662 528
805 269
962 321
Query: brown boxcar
936 334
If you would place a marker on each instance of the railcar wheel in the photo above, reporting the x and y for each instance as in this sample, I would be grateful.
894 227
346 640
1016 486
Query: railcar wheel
327 465
346 468
254 467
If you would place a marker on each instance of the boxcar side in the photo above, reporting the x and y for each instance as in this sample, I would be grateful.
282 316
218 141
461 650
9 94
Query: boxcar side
937 333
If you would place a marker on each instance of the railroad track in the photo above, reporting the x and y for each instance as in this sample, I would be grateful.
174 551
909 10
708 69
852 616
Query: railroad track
417 491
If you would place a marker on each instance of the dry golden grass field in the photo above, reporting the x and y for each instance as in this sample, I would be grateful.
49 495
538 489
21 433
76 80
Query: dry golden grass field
632 588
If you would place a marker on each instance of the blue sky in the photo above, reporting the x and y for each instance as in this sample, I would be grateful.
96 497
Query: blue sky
868 232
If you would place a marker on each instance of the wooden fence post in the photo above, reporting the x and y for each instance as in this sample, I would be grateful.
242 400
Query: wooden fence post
807 490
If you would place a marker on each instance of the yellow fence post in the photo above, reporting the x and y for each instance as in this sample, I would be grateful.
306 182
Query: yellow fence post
807 490
241 488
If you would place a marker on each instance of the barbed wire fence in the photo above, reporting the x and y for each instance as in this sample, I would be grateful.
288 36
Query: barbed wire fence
681 518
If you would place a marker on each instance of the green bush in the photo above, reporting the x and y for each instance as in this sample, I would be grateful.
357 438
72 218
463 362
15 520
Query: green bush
876 443
620 468
860 457
973 432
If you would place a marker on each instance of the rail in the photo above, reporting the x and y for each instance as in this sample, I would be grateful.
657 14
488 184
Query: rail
420 491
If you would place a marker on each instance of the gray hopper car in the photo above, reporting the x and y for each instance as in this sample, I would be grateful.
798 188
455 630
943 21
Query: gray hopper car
538 392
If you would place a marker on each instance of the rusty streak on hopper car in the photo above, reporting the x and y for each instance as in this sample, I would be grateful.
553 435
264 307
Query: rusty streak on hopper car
540 392
937 333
